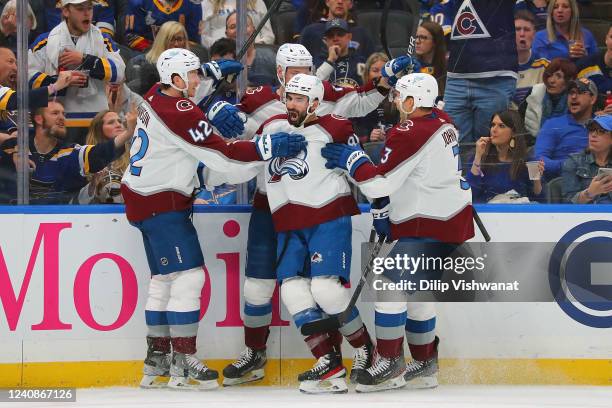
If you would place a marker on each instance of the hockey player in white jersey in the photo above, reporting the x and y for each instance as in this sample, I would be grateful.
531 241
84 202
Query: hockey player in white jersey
171 138
259 105
311 209
419 187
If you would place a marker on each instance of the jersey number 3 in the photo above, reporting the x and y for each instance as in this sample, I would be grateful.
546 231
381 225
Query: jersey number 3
144 146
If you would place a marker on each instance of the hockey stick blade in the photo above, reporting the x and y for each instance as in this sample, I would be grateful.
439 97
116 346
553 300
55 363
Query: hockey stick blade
334 322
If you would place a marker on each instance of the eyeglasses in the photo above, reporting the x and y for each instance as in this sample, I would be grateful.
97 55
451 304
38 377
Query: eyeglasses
422 38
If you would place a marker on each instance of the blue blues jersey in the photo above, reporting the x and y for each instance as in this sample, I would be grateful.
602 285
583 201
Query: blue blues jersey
144 17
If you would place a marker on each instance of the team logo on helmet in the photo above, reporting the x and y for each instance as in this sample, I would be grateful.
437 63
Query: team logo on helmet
295 167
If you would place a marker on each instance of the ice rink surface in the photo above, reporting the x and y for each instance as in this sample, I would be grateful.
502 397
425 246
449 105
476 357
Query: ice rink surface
272 397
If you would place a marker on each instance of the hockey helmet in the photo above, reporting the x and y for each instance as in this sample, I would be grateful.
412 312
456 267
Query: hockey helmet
292 55
176 61
307 85
423 88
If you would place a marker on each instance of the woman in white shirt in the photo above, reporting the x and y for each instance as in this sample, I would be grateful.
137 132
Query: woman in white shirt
215 12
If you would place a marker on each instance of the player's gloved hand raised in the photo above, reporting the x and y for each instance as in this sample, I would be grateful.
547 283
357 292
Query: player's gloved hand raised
280 144
399 66
217 70
380 216
228 119
343 156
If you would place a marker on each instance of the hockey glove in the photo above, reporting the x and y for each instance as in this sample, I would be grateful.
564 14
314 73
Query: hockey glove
217 70
397 67
343 156
280 144
228 119
380 216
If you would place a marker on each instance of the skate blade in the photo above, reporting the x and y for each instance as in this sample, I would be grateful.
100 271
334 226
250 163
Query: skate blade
422 383
329 386
189 384
390 384
153 381
254 375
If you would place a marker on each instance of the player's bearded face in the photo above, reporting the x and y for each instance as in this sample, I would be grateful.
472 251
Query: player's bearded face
297 106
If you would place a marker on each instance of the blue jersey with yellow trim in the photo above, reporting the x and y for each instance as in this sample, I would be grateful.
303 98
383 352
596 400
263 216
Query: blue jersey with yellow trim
594 67
530 73
144 17
103 15
441 13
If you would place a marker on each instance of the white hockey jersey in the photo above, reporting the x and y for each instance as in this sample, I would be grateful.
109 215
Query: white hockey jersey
301 191
172 136
420 172
263 103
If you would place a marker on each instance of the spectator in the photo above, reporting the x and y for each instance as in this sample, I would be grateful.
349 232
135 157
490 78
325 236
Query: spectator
373 126
104 186
498 165
344 64
105 13
76 44
531 67
598 68
430 50
141 71
121 98
562 30
8 25
537 8
223 48
145 18
549 99
581 183
441 13
216 12
566 134
260 61
483 65
312 35
60 168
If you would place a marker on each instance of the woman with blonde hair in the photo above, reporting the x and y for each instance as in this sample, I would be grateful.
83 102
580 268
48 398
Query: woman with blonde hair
215 13
141 71
104 186
564 37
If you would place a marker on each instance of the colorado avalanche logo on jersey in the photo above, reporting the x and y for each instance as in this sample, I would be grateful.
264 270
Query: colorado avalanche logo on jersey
295 167
467 24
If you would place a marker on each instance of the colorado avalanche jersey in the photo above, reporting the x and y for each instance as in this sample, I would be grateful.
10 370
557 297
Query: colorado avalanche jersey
262 103
171 138
301 191
420 172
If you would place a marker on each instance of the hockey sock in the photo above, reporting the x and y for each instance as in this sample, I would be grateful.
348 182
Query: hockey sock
389 333
319 344
421 338
257 320
159 344
185 345
335 338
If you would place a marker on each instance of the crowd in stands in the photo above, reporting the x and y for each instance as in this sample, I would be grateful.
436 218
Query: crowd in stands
533 89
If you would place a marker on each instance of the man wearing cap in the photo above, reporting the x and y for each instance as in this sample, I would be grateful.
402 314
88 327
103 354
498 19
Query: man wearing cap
563 135
312 35
344 63
76 44
582 181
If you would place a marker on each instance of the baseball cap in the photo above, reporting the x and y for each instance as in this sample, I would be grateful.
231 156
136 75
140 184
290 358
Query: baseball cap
605 121
583 84
67 2
337 24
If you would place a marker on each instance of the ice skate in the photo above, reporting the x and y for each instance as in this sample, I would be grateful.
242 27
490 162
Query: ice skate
156 368
327 376
249 367
188 372
384 374
422 374
362 360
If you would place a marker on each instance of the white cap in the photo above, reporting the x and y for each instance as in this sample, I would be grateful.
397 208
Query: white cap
67 2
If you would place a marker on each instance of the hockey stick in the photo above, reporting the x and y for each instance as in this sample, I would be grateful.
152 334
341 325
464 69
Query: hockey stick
334 322
241 52
481 226
414 10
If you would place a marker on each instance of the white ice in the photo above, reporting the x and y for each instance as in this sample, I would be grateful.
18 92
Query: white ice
272 397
